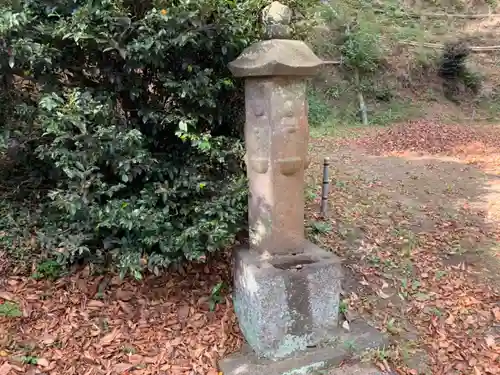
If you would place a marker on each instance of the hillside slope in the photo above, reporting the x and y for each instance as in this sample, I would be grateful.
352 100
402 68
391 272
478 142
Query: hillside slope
403 42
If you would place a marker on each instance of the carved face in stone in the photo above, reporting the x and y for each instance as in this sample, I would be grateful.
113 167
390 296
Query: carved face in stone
257 129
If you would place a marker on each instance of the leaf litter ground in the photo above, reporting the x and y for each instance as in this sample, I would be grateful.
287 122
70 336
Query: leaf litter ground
96 325
413 211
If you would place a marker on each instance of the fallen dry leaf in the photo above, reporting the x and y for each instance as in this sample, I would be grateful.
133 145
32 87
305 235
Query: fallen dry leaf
345 325
48 339
415 210
490 341
122 367
108 339
135 359
7 296
163 324
118 335
450 320
496 313
42 362
5 369
95 303
382 294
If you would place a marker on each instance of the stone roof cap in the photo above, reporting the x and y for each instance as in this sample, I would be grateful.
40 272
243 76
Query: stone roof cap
276 57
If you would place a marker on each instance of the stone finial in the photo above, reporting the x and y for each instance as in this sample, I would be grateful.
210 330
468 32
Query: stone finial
277 18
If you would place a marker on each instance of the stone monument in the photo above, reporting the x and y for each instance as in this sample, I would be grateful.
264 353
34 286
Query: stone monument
287 290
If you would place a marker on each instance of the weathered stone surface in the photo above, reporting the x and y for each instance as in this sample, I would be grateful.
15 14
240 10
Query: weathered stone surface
276 138
287 303
277 31
322 359
356 370
277 13
276 18
276 57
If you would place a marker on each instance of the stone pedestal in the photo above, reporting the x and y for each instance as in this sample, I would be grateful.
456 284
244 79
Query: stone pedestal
287 303
320 360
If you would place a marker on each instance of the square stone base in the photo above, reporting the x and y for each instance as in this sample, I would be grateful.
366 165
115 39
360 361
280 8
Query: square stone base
323 359
287 303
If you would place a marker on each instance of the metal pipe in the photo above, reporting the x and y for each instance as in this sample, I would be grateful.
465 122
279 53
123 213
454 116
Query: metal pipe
325 187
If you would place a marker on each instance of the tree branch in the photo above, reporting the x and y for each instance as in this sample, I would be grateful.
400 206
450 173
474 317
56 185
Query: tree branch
441 46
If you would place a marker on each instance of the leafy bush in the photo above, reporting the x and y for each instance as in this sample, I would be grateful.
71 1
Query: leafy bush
356 31
122 124
127 116
48 269
319 110
454 71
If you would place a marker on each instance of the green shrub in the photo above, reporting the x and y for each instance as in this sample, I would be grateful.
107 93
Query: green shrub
131 120
48 269
319 110
125 122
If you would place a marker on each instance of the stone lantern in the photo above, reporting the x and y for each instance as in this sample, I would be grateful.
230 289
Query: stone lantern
286 289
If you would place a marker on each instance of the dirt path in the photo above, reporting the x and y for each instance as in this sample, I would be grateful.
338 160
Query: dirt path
419 233
417 183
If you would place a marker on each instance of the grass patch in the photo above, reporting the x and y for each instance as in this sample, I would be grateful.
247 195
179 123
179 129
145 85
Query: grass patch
487 108
319 110
10 309
395 111
343 121
48 269
29 360
343 132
